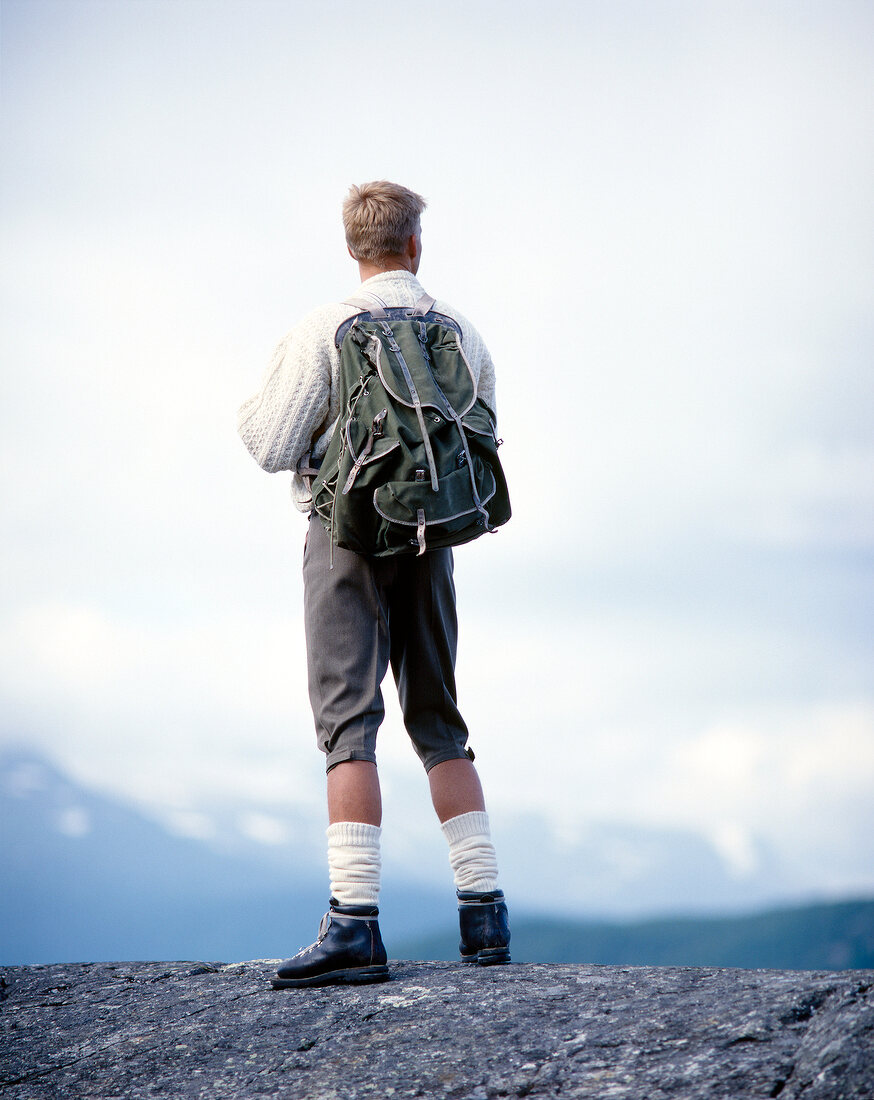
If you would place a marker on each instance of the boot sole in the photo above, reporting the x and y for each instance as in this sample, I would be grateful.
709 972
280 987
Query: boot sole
354 976
488 956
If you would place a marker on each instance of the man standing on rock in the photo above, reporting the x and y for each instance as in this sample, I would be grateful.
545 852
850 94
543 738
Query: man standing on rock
363 613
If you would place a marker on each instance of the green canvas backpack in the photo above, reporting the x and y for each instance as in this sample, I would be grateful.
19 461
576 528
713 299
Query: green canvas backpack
413 462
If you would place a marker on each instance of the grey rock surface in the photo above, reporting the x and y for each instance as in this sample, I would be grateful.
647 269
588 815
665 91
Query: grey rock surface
437 1029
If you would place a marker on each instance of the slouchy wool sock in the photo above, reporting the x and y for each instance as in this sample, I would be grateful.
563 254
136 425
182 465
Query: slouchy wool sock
471 852
354 862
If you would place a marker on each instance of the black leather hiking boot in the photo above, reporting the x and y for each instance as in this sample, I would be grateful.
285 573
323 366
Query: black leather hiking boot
485 928
349 949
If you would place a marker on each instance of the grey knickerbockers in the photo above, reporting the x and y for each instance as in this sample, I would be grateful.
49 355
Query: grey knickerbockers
363 615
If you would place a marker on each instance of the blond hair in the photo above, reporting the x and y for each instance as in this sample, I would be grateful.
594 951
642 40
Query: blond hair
379 219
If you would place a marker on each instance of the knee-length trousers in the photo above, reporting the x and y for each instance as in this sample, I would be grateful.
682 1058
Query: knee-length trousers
363 614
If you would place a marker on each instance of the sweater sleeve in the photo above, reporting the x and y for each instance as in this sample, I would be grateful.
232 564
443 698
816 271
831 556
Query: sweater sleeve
486 384
277 424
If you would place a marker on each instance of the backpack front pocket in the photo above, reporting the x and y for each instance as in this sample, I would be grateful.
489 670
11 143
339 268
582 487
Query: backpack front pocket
449 509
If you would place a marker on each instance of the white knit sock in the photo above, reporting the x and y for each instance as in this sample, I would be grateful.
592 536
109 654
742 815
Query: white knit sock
354 862
471 852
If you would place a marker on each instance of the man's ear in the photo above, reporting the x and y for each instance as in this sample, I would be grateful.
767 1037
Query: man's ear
351 253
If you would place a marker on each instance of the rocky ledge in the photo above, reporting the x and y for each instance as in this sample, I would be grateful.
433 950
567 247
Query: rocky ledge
436 1029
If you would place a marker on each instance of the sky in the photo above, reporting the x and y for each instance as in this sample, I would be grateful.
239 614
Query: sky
658 214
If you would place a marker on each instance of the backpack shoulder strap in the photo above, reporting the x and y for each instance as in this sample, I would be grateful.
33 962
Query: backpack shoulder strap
377 310
424 305
376 307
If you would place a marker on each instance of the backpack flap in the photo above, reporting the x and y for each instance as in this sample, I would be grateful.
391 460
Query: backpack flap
427 519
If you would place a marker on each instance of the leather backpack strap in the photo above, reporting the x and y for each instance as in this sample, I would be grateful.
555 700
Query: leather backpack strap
374 306
424 305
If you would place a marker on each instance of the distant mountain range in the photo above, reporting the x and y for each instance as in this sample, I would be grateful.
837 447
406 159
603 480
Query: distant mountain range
88 878
837 936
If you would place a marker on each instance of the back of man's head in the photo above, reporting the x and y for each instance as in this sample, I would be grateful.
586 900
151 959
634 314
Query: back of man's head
379 219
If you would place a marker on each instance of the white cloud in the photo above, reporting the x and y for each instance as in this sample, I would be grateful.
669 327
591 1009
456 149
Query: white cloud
74 822
162 709
264 828
737 847
809 496
189 823
798 778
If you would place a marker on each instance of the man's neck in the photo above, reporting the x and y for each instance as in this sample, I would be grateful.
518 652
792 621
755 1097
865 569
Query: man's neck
367 270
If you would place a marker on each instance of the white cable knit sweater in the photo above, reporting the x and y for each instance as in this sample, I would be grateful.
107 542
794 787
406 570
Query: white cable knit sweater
299 401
